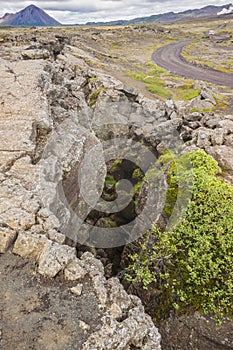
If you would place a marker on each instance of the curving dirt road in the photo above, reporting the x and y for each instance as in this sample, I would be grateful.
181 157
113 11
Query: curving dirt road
169 57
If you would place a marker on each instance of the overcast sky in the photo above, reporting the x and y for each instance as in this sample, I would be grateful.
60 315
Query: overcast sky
82 11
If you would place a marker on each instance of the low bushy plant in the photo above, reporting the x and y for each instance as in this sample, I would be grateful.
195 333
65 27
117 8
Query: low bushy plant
191 267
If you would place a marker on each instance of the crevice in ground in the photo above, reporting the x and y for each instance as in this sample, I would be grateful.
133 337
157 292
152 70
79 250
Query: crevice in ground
61 93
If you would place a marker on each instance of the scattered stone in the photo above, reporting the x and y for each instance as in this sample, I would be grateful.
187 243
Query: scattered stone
108 270
92 265
57 237
29 245
199 104
207 94
134 331
194 125
174 115
229 140
193 117
170 108
35 54
218 137
95 269
99 284
84 326
117 294
115 311
77 290
7 237
203 137
212 122
223 154
54 258
227 125
74 270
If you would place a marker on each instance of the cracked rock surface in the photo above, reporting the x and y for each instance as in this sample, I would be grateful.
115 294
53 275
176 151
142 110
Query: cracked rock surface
50 298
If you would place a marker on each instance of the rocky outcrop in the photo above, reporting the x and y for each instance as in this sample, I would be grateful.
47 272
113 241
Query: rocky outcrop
35 54
58 118
30 112
211 133
89 107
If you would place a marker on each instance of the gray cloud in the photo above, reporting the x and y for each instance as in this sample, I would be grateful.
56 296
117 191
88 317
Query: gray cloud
81 11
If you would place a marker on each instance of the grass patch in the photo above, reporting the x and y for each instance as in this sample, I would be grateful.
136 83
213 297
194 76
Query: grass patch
111 222
156 70
90 80
204 110
186 92
158 89
221 101
93 63
203 54
155 82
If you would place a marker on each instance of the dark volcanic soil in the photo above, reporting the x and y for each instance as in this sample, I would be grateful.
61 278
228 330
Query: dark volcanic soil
42 314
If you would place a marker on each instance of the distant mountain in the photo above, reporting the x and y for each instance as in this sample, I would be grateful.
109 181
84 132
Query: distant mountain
34 16
226 11
171 17
7 17
30 16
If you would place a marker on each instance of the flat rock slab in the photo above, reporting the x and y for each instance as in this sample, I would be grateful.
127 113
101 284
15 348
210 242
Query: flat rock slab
20 104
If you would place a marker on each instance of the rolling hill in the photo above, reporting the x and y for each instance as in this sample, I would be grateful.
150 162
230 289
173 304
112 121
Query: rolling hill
171 17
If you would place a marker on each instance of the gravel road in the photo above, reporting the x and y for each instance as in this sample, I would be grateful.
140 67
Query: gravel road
170 58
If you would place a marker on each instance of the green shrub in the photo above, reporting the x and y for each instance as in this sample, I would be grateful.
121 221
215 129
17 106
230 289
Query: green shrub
191 267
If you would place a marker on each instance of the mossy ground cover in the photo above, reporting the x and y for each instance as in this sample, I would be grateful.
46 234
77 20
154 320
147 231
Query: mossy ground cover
190 267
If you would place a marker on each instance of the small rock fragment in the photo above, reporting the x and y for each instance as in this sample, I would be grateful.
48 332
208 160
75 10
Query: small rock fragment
7 237
29 245
77 290
84 326
74 270
54 258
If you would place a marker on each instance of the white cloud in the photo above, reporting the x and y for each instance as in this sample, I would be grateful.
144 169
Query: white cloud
81 11
226 11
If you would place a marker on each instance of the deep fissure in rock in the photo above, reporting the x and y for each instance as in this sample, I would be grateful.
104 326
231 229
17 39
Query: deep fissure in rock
117 170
